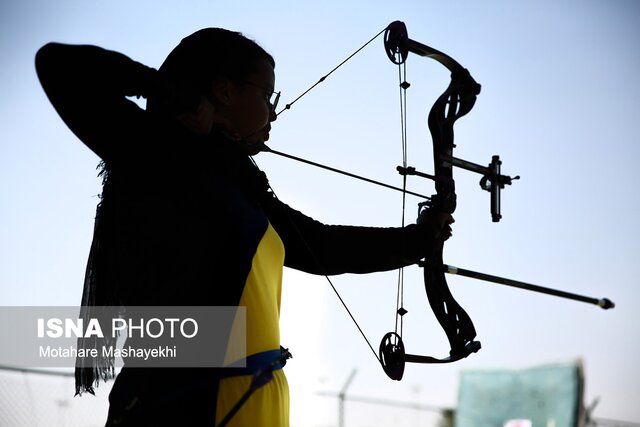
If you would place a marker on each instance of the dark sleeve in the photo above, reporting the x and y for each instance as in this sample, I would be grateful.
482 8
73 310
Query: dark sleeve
88 87
317 248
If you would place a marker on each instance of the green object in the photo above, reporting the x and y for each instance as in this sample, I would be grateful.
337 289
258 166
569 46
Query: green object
547 396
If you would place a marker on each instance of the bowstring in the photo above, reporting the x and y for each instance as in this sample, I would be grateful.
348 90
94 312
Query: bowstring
323 78
316 260
403 85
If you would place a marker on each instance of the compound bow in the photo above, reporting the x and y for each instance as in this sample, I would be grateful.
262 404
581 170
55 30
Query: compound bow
456 101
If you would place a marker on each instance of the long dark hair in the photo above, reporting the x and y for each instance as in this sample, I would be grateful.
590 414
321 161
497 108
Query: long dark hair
200 58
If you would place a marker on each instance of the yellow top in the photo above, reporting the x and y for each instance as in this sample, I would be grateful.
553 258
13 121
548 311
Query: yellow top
269 405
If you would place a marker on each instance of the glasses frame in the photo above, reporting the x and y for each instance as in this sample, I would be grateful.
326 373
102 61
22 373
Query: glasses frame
273 102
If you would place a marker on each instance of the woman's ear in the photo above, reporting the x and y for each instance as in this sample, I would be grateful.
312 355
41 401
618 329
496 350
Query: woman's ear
222 96
222 92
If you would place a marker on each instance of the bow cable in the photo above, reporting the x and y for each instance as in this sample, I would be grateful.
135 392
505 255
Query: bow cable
403 85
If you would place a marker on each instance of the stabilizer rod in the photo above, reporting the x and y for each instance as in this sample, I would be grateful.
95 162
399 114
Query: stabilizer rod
604 303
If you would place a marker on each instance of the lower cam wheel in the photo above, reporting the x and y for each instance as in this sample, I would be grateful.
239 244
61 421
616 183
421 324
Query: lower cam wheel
392 355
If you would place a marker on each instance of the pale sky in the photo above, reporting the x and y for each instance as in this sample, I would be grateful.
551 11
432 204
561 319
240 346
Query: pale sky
559 104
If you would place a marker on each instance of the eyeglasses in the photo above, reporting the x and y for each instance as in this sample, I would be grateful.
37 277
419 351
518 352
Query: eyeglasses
272 98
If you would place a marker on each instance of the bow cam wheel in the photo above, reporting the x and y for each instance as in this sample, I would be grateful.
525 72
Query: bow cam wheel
395 42
392 355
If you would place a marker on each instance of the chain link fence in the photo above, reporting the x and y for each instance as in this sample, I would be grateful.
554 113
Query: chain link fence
35 398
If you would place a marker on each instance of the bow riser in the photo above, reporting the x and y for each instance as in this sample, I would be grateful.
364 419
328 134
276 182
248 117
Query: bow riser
454 103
